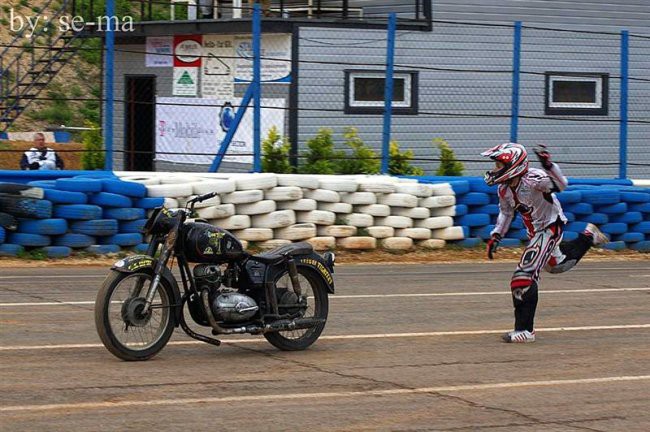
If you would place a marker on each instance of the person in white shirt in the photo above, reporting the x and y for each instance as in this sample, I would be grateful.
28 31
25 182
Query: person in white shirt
40 157
530 191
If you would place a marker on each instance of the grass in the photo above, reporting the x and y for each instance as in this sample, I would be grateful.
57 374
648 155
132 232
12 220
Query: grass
11 160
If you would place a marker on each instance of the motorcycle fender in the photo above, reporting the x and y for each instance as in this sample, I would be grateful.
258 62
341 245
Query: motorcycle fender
135 263
316 263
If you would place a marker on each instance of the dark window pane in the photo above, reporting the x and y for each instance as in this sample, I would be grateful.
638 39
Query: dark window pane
574 91
372 89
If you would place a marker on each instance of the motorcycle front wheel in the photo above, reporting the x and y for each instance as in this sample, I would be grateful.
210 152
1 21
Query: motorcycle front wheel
124 330
317 306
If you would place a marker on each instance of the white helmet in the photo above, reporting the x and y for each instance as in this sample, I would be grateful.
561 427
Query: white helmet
513 156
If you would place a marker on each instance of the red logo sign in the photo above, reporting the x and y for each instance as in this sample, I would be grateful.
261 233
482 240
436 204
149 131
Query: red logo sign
188 50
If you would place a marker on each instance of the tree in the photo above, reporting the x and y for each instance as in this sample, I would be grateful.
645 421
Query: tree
275 153
321 158
363 159
400 164
449 165
93 157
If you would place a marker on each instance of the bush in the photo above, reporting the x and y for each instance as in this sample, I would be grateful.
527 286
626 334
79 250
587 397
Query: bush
449 165
321 158
93 157
363 159
400 164
275 153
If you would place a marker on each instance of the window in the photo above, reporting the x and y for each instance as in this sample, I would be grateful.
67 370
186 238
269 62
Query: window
364 92
576 93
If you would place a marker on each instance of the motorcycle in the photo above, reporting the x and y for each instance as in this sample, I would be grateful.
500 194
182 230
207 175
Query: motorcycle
281 294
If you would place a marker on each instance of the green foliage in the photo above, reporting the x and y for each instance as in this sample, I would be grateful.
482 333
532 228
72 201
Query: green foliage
6 9
4 22
58 113
321 158
449 165
93 157
363 159
400 162
24 3
90 50
275 153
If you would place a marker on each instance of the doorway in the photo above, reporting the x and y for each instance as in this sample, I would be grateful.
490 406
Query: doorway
140 115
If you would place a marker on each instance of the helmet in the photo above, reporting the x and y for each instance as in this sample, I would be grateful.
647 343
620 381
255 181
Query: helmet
514 158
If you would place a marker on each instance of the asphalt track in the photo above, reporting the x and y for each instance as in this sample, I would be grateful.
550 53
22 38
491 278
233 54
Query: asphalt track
406 348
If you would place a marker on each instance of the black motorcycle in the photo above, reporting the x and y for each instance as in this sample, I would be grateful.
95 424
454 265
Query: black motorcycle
281 294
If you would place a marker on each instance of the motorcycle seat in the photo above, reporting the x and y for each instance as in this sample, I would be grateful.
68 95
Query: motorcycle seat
278 254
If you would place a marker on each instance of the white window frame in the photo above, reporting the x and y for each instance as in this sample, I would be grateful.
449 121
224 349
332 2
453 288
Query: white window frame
599 92
599 107
406 103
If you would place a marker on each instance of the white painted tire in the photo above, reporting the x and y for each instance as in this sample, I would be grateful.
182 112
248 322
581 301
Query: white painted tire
381 232
272 244
171 203
398 200
380 210
432 244
176 179
276 219
142 180
243 197
304 204
296 232
376 186
421 190
359 198
450 233
302 181
318 217
255 181
414 233
254 234
337 231
216 212
357 243
397 243
443 211
209 185
394 221
338 184
256 208
336 207
413 213
443 189
359 220
283 193
214 201
437 222
322 243
236 222
169 190
438 201
323 195
244 244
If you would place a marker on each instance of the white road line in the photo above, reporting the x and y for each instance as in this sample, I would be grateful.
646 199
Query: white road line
346 337
370 296
320 396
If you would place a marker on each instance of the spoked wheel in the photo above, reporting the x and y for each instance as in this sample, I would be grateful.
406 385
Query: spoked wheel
313 303
122 326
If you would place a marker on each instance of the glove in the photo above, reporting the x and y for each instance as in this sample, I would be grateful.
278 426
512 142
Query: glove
544 156
492 245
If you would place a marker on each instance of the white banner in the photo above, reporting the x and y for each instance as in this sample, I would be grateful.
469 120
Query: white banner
186 81
217 77
191 125
159 52
274 46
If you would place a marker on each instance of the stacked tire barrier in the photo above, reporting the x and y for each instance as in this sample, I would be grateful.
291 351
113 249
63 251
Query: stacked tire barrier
620 209
96 213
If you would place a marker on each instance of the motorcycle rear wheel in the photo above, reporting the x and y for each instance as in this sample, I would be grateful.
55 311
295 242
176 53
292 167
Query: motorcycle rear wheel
124 331
318 306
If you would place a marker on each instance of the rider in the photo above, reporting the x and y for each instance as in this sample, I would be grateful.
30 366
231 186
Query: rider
530 191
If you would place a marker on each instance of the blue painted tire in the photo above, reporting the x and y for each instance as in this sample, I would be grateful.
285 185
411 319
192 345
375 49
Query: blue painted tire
124 213
107 199
643 208
2 235
615 245
65 197
596 218
141 248
460 187
97 227
569 197
45 184
78 211
479 185
569 235
124 239
25 207
601 196
461 209
580 208
43 226
635 197
521 234
517 223
130 189
471 242
30 240
57 251
491 209
643 246
74 240
642 227
570 216
614 228
11 250
79 185
629 237
510 242
148 203
103 249
8 222
135 226
628 218
473 198
614 208
473 220
97 175
576 226
482 232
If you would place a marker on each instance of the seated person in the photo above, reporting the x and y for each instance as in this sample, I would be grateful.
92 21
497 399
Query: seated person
40 157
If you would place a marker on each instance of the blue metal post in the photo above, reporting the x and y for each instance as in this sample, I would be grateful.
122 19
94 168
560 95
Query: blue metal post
622 160
516 63
388 93
108 79
257 85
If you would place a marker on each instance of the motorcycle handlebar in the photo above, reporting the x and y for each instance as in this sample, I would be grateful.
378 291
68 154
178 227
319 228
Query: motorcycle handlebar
203 197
